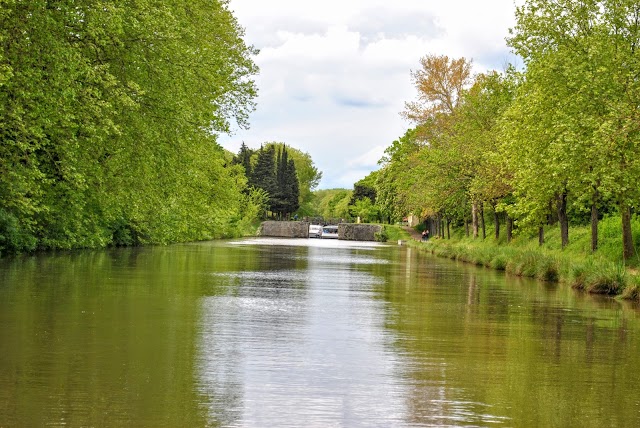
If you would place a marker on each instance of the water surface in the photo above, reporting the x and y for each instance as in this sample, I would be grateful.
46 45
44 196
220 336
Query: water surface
268 332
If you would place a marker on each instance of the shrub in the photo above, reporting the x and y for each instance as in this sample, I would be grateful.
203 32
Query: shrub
525 264
381 236
499 262
548 269
611 280
632 290
14 237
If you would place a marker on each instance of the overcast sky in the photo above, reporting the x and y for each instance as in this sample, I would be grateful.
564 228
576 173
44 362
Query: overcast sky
334 75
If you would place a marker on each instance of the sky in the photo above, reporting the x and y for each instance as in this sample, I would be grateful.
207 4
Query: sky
335 74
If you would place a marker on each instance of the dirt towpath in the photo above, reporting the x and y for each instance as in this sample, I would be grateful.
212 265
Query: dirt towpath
414 233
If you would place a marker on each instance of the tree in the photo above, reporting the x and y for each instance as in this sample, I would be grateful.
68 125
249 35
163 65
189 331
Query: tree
293 189
308 175
582 64
285 199
477 140
363 209
263 175
393 183
244 158
332 203
109 112
365 188
440 83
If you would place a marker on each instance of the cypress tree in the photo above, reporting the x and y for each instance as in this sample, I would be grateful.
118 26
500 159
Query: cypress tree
244 158
280 198
293 189
263 175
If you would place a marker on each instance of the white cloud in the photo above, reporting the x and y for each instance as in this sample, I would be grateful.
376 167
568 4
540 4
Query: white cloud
335 74
337 43
369 159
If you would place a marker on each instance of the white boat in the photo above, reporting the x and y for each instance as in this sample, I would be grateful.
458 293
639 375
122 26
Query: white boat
315 231
330 232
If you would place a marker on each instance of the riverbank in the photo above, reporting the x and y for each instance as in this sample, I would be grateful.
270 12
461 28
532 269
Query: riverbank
592 273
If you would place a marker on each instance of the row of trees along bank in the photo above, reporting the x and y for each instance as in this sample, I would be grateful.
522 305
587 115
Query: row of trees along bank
556 142
109 112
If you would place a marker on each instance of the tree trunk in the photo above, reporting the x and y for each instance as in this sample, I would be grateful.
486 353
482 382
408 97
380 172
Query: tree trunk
448 229
466 225
594 220
509 228
627 238
484 229
496 222
474 219
563 219
541 236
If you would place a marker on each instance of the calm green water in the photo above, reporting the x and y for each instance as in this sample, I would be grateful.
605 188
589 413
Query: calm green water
276 333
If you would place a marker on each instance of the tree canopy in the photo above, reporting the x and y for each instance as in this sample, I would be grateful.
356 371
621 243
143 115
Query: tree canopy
539 146
283 173
109 118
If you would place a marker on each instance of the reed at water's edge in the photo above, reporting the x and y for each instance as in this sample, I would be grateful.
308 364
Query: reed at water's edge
602 272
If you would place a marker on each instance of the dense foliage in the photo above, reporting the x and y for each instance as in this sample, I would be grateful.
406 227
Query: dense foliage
331 204
308 175
109 112
285 175
555 143
362 204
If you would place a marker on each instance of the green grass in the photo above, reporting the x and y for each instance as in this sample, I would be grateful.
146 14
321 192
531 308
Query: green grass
396 233
602 272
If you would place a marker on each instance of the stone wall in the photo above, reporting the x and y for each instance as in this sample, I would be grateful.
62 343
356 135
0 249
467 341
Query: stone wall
358 232
300 229
285 229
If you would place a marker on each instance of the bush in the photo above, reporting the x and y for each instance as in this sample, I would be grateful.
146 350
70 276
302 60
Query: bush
632 290
548 269
611 280
14 237
381 236
499 262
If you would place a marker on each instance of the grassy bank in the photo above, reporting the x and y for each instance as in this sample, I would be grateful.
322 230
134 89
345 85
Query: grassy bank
394 233
602 272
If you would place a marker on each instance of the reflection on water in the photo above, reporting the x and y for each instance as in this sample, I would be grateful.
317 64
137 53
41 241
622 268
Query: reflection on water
275 332
301 346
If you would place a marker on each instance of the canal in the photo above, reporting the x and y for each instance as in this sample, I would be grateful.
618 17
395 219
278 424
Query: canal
314 333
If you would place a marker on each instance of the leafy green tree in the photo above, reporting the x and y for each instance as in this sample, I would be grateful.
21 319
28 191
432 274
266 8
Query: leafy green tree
109 111
435 176
581 59
365 188
363 209
332 203
476 141
394 182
